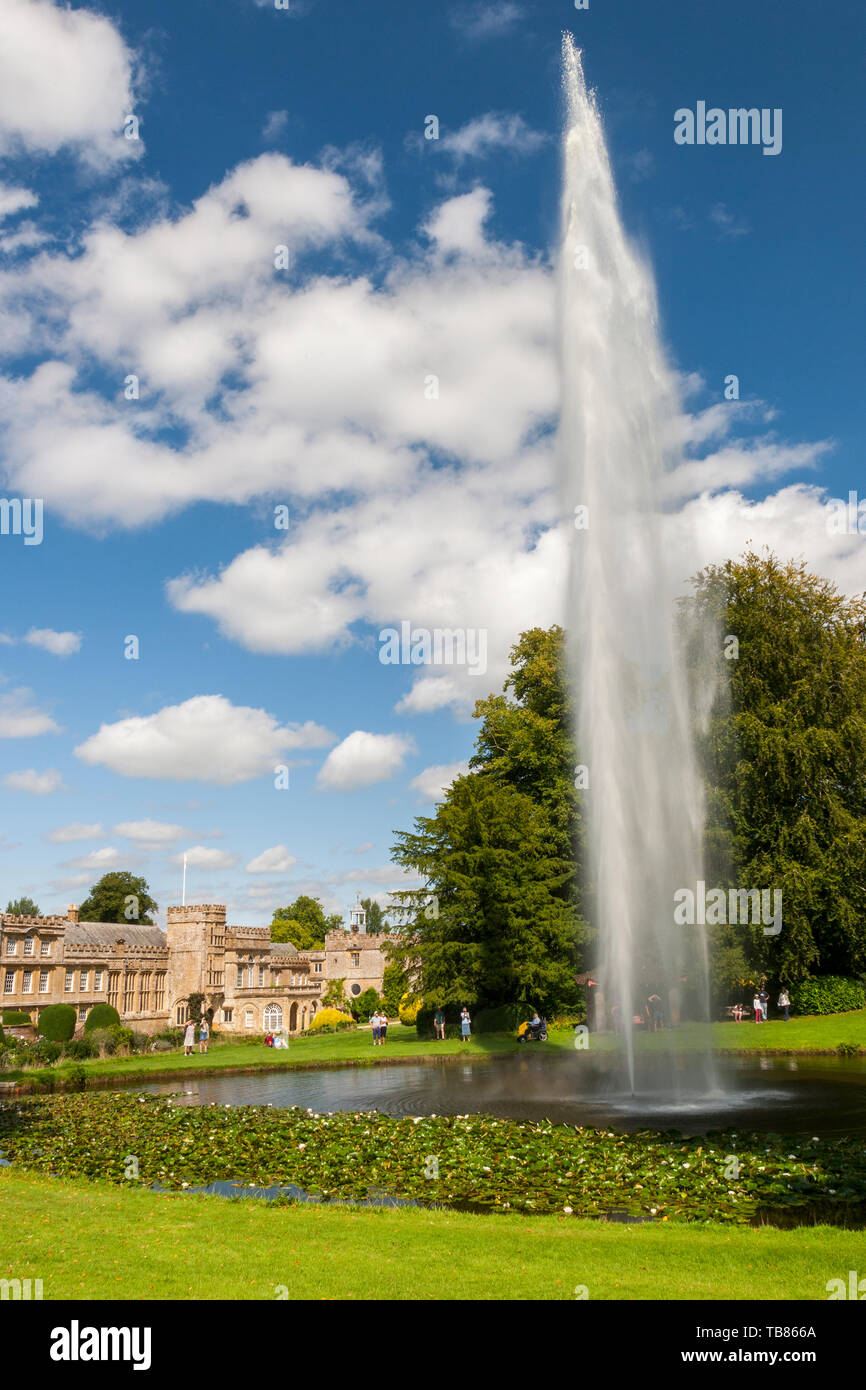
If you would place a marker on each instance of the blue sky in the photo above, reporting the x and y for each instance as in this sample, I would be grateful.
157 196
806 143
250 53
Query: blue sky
306 388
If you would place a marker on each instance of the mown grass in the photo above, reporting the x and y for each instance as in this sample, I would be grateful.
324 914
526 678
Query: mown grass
88 1240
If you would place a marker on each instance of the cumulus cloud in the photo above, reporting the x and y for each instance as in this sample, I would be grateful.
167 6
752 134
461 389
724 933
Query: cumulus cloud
19 718
206 739
66 82
36 783
433 781
493 133
203 857
58 643
272 861
78 830
14 200
149 832
362 759
98 859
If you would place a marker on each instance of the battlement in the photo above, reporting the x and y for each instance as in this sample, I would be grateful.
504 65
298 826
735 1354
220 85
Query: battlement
7 920
84 950
212 913
251 933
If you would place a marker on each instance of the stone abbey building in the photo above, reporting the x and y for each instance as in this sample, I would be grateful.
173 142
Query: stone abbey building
253 984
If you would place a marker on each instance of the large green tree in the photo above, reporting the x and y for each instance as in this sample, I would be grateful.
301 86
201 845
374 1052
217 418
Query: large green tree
492 924
304 923
498 920
119 897
784 753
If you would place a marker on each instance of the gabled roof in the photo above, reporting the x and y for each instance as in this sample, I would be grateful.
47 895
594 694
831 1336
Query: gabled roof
109 933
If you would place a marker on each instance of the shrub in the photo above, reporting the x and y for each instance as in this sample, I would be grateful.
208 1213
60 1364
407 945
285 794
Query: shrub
344 1024
366 1005
101 1016
424 1020
76 1077
57 1022
161 1045
564 1021
409 1008
328 1017
503 1018
173 1036
105 1041
47 1051
849 1049
827 994
80 1048
15 1018
123 1039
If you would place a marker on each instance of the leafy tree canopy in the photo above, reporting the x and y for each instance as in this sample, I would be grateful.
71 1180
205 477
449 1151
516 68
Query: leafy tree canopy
23 907
304 923
784 754
119 897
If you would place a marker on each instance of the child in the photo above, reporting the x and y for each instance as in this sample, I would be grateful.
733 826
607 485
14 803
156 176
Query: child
203 1035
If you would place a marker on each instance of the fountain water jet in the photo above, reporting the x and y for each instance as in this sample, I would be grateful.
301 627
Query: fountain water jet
619 410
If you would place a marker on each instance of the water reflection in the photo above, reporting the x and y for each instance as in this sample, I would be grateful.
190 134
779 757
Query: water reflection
823 1096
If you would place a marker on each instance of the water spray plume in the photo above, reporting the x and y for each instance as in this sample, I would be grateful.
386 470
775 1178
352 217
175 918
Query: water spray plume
619 409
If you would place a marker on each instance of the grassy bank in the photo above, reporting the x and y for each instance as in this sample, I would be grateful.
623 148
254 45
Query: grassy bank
802 1035
91 1241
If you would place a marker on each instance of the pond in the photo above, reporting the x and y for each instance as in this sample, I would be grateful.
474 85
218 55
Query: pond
823 1096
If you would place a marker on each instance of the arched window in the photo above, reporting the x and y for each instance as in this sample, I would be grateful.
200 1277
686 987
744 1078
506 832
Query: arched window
273 1020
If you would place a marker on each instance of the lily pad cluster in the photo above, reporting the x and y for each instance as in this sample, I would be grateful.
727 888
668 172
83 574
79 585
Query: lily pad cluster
474 1161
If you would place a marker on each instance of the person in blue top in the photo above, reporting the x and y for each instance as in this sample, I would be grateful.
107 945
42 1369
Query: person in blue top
465 1025
203 1035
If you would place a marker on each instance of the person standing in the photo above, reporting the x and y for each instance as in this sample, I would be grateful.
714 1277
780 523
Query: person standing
374 1026
188 1038
785 1003
203 1035
465 1025
383 1028
439 1024
765 1003
758 1007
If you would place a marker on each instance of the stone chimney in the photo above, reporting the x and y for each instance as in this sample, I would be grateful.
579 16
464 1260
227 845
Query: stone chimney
72 914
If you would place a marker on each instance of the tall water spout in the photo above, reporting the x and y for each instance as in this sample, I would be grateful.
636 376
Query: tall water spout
619 409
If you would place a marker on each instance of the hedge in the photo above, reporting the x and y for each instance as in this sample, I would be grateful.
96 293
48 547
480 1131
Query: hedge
102 1016
57 1022
504 1018
14 1018
827 994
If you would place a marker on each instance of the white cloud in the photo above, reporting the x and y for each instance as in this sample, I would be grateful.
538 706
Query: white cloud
14 200
362 759
487 19
433 781
205 857
205 739
100 859
67 834
149 832
491 133
36 783
21 719
58 643
272 861
66 81
275 125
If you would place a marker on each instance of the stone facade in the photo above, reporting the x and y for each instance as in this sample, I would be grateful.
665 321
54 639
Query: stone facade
253 984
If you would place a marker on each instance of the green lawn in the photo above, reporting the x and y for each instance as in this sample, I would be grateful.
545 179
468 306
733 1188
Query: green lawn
814 1034
91 1241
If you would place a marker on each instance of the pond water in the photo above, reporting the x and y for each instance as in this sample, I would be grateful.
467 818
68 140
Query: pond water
824 1096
